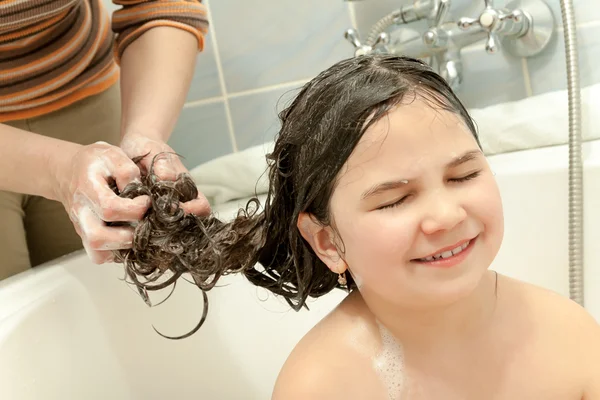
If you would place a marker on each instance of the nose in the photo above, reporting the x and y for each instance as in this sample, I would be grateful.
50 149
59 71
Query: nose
442 212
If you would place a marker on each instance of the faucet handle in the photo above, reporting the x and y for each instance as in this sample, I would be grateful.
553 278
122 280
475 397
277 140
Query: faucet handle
353 37
466 23
489 20
382 38
361 49
442 12
492 44
496 22
436 37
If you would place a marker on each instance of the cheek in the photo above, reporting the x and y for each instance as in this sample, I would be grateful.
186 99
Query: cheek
486 206
377 242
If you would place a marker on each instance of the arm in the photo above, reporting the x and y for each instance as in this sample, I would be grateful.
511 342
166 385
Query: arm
77 176
152 97
157 44
28 164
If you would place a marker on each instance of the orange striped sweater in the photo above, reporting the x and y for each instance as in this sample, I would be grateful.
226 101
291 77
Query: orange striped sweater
55 52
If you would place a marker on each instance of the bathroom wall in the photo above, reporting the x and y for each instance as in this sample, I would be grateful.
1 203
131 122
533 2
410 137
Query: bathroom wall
259 52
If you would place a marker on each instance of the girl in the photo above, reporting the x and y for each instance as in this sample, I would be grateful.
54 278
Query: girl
378 186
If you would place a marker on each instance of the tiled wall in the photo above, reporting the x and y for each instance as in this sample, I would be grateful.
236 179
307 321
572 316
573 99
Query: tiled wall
261 50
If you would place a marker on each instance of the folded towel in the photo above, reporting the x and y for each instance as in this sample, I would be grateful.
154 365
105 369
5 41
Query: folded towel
537 121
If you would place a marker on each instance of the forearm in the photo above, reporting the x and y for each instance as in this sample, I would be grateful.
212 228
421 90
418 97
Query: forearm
30 163
156 72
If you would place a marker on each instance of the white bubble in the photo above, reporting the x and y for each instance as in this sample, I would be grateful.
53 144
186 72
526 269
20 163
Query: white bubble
389 364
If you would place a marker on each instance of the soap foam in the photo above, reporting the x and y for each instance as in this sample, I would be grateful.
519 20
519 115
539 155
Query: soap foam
389 364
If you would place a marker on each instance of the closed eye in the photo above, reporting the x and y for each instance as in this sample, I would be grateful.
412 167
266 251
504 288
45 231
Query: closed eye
466 177
457 180
394 204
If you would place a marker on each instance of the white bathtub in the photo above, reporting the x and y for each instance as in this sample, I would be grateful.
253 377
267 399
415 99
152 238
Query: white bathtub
73 330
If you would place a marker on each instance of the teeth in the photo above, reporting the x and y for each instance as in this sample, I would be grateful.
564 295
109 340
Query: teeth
447 254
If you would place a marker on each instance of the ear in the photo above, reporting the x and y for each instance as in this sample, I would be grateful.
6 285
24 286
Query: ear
322 240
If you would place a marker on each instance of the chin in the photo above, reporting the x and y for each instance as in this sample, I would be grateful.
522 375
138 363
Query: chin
442 293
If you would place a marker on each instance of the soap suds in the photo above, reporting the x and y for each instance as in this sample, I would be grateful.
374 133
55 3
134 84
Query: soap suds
389 364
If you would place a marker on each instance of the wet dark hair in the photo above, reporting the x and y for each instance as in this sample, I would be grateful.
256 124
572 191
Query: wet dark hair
319 131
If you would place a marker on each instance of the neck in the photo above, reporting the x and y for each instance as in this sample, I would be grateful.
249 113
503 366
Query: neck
438 326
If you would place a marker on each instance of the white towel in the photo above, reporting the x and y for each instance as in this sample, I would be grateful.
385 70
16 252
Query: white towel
234 176
537 121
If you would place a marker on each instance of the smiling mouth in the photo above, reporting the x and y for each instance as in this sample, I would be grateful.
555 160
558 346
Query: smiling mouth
447 253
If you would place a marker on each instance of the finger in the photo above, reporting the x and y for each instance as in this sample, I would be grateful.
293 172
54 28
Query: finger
75 220
166 167
99 257
117 209
113 164
111 208
199 206
99 237
122 169
112 238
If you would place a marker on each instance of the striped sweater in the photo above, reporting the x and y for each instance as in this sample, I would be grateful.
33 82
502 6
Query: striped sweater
55 52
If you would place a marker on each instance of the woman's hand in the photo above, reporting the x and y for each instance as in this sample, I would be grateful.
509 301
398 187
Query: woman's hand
167 166
83 186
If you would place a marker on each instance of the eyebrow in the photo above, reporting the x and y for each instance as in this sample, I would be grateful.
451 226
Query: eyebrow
468 156
395 184
383 187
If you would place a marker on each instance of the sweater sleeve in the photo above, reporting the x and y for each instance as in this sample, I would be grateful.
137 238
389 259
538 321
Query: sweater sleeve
137 16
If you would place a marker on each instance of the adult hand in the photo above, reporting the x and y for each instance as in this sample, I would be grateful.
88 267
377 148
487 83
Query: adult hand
167 166
83 186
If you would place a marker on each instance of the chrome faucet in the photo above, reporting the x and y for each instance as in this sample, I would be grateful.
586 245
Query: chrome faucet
510 28
376 42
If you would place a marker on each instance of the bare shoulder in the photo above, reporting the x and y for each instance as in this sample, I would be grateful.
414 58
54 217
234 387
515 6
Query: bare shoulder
549 307
332 361
571 333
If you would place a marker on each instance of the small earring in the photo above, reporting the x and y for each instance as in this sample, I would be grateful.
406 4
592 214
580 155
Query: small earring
342 279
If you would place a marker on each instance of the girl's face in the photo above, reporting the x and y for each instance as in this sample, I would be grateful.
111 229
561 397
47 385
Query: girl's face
416 209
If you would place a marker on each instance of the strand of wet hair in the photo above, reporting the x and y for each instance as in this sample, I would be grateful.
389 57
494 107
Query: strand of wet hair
167 241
